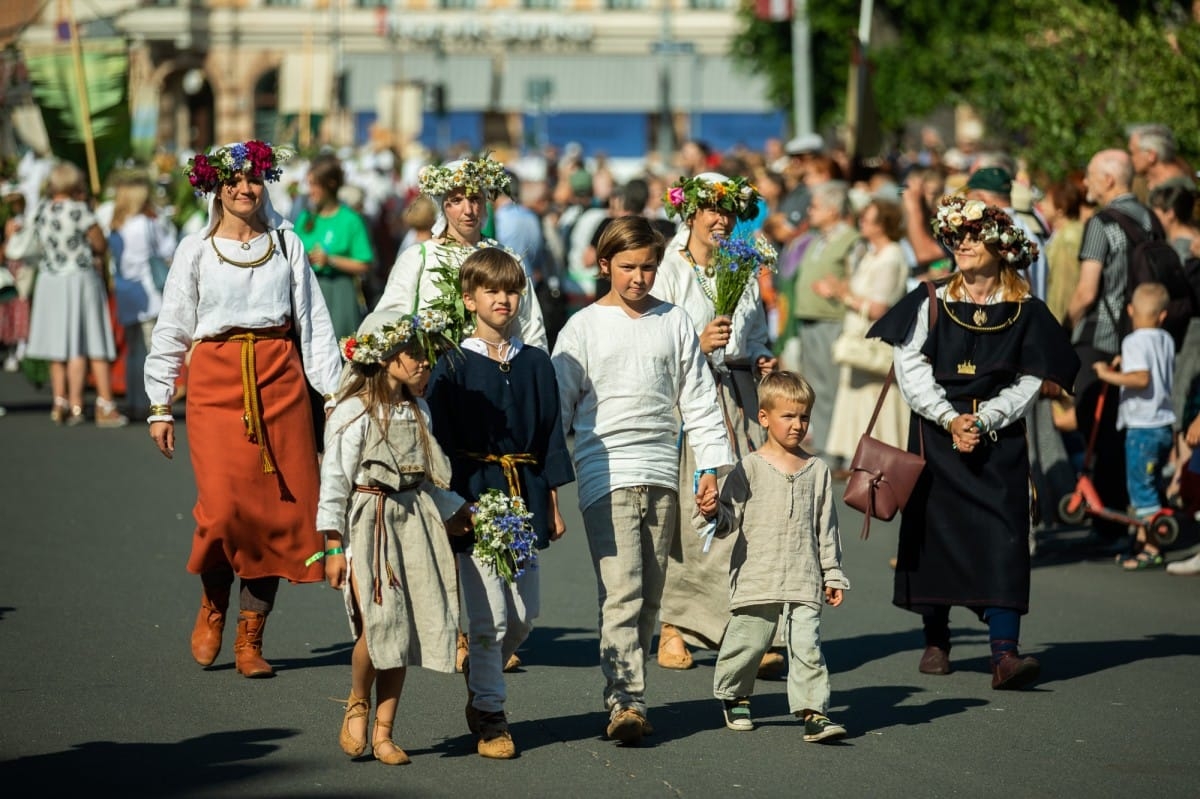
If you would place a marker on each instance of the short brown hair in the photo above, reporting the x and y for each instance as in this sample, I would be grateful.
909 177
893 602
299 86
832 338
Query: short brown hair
629 233
889 216
1150 298
492 268
784 386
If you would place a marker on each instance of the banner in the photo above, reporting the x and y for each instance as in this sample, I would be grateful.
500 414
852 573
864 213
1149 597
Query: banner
57 93
773 10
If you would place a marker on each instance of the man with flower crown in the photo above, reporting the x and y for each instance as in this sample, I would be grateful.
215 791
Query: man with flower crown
242 309
426 274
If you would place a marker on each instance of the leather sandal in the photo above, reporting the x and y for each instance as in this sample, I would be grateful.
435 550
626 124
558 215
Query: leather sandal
397 756
356 708
672 660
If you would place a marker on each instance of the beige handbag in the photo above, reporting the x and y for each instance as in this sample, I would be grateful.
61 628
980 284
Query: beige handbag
853 348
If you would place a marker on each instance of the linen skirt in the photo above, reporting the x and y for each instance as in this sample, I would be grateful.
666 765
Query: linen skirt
69 318
262 524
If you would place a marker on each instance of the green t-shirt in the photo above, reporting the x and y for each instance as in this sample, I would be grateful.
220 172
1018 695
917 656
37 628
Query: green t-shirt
342 233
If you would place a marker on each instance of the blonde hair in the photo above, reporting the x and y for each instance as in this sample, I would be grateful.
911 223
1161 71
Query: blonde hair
491 268
421 213
784 386
130 198
1150 299
1013 286
64 179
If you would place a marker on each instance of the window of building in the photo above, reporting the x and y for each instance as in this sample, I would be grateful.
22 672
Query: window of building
710 5
277 3
543 4
373 3
621 5
468 4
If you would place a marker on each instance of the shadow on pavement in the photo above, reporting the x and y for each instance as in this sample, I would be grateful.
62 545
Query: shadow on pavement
144 769
571 647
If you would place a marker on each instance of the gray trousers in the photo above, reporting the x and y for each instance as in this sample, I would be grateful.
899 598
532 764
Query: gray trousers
499 619
749 635
818 368
629 535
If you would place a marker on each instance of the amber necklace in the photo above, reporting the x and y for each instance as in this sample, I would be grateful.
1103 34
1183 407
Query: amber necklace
701 274
245 246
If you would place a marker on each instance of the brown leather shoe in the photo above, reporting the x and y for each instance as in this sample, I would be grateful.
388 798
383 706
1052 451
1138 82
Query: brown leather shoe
247 648
672 660
1014 672
210 624
495 741
627 726
356 708
935 660
772 665
384 748
513 663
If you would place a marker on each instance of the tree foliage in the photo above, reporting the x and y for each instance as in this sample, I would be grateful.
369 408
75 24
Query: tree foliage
1054 82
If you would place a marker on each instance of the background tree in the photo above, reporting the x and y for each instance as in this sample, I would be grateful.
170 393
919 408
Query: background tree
1054 82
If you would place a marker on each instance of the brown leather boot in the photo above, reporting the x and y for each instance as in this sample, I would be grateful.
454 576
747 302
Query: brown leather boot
247 649
210 624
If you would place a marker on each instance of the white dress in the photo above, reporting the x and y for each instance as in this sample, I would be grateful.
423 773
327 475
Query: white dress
412 283
881 276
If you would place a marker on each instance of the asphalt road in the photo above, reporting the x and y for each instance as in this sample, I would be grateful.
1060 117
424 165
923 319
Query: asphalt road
98 690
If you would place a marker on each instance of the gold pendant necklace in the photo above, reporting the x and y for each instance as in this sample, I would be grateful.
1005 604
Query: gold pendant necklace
245 246
980 317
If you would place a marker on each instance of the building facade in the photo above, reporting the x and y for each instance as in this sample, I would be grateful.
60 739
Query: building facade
616 76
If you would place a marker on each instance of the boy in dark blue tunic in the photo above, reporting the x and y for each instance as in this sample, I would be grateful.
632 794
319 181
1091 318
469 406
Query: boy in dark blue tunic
495 412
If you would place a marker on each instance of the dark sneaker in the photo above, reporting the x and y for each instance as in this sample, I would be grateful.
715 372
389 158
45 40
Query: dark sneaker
627 726
737 714
818 727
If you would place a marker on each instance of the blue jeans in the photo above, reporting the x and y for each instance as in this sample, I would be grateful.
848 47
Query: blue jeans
1146 450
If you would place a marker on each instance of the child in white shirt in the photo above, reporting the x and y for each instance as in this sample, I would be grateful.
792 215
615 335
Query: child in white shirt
624 364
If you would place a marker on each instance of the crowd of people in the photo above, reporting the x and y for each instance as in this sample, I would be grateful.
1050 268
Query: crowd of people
393 367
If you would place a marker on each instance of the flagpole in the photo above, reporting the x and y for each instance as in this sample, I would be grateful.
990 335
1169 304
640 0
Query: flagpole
85 110
801 69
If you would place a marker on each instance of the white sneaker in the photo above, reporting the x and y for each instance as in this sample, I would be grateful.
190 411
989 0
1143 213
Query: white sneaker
11 364
1189 567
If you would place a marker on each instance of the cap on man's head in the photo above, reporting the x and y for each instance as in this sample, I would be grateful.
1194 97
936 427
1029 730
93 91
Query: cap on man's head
805 143
580 182
990 178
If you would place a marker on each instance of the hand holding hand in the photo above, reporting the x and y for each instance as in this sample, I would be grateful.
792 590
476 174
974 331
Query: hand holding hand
706 495
965 432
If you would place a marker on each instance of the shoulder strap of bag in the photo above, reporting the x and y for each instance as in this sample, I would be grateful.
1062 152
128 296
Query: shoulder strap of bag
891 375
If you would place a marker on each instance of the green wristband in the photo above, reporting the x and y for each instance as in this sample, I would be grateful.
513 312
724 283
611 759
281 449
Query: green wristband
334 551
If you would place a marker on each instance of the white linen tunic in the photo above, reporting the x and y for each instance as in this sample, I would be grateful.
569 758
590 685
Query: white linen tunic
620 381
204 297
412 283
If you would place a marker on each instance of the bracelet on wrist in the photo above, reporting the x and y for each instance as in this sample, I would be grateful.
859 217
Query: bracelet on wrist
160 410
314 557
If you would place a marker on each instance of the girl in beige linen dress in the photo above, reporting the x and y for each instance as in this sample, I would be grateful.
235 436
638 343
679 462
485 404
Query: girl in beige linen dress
384 492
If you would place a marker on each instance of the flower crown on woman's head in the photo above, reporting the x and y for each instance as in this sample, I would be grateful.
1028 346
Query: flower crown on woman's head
427 327
958 217
478 176
254 159
688 195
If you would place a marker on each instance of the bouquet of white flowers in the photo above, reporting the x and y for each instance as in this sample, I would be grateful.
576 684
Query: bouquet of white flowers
504 537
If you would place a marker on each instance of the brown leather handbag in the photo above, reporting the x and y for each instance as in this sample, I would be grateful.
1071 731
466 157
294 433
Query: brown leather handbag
882 477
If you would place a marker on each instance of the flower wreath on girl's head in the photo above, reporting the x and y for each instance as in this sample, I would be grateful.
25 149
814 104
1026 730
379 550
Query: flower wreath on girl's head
958 217
254 159
428 327
481 175
733 195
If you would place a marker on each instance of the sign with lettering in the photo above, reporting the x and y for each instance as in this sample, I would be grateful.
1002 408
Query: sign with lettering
533 31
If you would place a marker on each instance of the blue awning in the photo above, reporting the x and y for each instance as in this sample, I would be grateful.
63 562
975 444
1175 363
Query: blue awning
725 130
616 134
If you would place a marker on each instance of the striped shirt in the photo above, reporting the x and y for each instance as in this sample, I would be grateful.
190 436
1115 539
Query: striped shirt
1107 243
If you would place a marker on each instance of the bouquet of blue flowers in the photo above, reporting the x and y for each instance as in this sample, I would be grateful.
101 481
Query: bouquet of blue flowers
735 262
504 537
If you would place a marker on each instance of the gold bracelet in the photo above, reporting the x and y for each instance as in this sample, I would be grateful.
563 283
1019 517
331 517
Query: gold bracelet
160 410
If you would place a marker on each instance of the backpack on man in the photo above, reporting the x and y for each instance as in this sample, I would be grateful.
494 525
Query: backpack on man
1152 259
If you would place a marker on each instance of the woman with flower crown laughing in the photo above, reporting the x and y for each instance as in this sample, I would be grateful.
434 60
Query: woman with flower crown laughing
694 275
969 380
426 274
242 308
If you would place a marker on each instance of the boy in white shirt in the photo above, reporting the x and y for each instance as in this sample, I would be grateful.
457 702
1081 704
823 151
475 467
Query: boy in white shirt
1144 371
624 364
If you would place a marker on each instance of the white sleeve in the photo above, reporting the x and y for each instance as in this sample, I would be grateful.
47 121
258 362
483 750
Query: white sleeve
570 367
529 317
1011 403
318 343
343 453
400 292
703 420
914 373
175 327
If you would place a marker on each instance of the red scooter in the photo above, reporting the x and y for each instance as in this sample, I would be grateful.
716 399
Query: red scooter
1084 501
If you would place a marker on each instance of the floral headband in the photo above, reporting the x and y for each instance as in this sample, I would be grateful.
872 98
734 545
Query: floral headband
957 217
426 327
479 176
255 159
689 195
